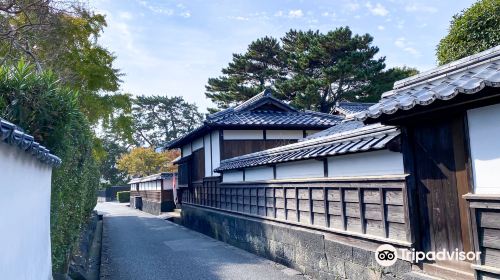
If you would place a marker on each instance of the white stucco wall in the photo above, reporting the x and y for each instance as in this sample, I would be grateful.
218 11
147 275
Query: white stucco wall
243 134
300 169
24 215
259 173
208 155
484 136
215 149
186 150
284 134
197 144
232 176
382 162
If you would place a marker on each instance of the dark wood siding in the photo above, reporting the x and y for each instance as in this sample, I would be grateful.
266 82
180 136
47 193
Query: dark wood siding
184 173
234 148
370 208
441 181
198 165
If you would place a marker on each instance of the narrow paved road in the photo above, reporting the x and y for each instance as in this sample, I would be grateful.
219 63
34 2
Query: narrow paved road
137 245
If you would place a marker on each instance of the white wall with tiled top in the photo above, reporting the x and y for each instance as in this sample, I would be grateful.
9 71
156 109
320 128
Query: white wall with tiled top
25 185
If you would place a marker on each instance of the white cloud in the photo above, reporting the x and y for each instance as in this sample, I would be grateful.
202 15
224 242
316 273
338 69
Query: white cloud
406 46
419 7
125 15
377 9
241 18
278 14
185 14
295 13
352 6
156 9
380 27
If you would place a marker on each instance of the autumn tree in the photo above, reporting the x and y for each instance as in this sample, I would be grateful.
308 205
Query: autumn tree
143 161
473 30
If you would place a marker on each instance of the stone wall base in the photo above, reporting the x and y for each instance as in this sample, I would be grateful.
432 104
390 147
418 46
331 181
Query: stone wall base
154 207
308 251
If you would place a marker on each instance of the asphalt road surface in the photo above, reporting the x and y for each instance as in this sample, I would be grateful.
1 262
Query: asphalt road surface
137 245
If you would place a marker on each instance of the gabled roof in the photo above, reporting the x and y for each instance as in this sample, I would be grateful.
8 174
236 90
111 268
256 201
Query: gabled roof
465 76
372 137
11 134
343 126
154 177
349 109
260 111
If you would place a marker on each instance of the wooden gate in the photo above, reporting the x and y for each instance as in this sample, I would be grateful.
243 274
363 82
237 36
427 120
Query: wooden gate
440 158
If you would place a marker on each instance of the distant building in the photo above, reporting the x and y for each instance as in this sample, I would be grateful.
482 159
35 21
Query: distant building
154 193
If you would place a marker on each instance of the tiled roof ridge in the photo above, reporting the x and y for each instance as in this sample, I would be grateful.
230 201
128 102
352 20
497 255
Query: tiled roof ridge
253 99
447 69
11 134
162 175
324 140
466 76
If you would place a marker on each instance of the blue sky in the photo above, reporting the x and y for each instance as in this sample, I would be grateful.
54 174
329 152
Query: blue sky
173 47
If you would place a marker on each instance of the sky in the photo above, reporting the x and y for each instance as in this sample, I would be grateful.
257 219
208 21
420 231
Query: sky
172 47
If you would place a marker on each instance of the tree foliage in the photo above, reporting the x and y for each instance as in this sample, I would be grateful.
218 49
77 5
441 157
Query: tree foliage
39 104
159 119
61 36
473 30
248 74
145 161
312 70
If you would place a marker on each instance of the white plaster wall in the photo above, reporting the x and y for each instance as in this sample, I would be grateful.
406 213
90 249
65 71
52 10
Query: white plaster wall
284 134
167 184
259 173
382 162
215 149
25 185
198 144
300 169
208 154
232 176
186 150
484 136
310 132
243 134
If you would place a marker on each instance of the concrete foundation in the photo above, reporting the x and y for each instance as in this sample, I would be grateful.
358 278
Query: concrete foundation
308 251
153 207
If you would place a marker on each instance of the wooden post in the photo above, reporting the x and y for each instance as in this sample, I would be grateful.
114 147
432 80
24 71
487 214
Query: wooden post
297 204
342 208
382 209
311 213
361 211
325 205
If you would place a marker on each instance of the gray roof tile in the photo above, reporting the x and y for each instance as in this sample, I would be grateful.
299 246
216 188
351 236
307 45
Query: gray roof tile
371 137
465 76
11 134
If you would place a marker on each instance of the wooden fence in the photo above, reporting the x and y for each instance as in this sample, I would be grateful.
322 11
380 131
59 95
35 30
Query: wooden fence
374 208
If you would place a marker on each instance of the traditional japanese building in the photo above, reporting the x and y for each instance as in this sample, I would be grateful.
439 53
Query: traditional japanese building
418 171
260 123
154 193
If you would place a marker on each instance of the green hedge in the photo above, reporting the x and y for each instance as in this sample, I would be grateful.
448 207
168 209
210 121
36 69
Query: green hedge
36 102
123 196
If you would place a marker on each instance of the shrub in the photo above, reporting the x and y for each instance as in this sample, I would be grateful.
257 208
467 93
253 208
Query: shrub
36 102
123 196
